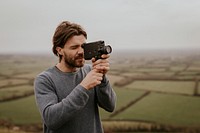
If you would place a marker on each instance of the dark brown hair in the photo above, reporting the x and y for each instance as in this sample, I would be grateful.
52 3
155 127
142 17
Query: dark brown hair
64 32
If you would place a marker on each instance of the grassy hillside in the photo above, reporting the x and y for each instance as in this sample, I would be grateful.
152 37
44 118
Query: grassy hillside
155 92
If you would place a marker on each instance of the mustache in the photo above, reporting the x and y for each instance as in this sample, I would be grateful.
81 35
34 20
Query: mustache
79 56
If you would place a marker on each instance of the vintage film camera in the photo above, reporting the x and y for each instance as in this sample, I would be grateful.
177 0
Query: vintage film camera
95 49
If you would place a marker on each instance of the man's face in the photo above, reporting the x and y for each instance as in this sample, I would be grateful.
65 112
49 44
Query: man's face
73 54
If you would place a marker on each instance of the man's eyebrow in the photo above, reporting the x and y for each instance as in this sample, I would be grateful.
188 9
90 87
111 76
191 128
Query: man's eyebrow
75 45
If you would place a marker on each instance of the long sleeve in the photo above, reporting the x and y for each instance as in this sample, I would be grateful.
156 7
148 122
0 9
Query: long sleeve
53 112
106 96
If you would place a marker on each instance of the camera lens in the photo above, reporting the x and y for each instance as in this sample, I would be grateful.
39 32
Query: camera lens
108 49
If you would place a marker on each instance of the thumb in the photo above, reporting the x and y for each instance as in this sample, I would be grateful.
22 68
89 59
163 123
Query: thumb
93 60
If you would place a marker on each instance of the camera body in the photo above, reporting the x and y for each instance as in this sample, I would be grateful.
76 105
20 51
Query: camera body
95 49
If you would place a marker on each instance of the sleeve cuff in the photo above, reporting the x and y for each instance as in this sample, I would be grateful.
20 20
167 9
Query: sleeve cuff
104 81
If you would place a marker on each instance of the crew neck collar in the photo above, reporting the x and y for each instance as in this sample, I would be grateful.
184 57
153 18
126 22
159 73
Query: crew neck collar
66 73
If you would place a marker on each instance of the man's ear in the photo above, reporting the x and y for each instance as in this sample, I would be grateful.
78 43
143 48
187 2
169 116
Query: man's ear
59 50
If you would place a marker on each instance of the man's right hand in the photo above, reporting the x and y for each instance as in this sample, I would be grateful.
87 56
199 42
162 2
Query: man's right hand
92 79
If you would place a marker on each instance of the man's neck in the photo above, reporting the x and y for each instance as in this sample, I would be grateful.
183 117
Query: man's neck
64 68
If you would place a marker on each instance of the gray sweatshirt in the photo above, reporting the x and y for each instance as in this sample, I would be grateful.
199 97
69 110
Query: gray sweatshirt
67 107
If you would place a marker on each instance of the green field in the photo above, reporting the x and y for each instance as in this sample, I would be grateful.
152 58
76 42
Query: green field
21 111
183 87
154 93
162 109
17 91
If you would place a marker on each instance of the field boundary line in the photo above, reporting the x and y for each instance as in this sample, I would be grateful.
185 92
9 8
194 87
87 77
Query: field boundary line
15 97
14 85
129 104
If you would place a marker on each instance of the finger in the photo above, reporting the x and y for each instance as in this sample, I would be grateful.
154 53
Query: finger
101 65
103 71
99 78
100 61
99 74
105 56
106 69
98 82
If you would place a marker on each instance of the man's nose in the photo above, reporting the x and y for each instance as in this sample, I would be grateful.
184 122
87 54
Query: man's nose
80 50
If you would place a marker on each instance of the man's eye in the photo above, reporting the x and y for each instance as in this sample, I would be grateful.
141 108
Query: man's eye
74 47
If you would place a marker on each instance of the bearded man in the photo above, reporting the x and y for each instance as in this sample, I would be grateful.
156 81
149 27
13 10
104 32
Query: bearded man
68 94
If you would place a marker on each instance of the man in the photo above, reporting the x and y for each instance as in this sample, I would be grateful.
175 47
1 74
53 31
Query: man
68 94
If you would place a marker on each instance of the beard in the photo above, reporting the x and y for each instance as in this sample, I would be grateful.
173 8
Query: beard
74 62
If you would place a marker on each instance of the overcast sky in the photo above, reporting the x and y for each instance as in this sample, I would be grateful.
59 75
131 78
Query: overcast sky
28 25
